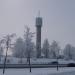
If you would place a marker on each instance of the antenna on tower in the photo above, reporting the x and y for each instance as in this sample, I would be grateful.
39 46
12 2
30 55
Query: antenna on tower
39 13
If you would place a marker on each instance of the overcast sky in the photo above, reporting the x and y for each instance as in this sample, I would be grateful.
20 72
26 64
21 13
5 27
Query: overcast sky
58 18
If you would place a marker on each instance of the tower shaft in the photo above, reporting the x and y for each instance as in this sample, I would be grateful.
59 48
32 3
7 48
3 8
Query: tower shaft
38 41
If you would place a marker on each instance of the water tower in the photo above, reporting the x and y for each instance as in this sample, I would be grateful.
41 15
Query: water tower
38 35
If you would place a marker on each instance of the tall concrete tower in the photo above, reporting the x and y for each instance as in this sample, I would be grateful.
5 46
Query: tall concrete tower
38 35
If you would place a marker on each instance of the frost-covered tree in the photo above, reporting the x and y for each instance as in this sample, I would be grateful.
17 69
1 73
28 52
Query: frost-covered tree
69 51
73 53
1 52
45 48
54 49
18 50
29 46
7 42
1 48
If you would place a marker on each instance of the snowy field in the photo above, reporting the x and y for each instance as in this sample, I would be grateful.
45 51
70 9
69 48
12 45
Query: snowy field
39 71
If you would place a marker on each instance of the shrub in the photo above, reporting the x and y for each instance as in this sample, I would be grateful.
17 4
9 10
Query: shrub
54 62
71 65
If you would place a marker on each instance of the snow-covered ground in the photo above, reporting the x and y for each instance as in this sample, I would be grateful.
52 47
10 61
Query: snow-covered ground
40 71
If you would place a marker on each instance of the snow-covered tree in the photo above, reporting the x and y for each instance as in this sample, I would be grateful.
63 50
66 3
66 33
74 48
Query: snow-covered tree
19 48
73 53
45 48
69 51
7 42
1 52
54 49
1 48
29 46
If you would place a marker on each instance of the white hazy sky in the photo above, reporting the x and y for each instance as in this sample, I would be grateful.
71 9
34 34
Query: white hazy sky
58 18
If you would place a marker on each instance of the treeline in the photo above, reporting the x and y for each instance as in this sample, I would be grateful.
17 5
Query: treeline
25 48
